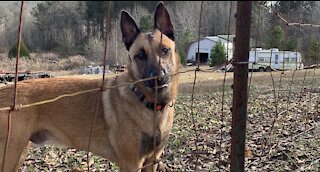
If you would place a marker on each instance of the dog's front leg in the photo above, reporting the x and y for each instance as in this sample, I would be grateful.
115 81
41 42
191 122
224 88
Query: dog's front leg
131 166
149 161
17 149
15 154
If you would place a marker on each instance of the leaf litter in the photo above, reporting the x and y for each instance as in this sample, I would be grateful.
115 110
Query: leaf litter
282 133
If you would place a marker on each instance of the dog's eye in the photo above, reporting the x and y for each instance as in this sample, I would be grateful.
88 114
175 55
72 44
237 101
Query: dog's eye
141 56
165 51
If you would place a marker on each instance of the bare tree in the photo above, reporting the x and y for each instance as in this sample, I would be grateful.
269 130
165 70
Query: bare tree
117 51
186 17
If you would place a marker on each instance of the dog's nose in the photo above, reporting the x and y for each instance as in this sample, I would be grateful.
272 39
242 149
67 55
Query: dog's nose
162 79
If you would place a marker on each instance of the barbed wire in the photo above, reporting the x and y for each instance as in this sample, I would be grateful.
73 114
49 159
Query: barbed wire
294 24
277 13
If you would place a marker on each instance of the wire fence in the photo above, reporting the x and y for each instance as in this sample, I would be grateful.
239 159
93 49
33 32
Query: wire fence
279 123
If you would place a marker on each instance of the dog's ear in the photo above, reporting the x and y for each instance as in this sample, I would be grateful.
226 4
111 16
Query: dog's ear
162 21
129 29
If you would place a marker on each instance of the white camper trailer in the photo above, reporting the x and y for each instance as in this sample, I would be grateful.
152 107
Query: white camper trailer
273 59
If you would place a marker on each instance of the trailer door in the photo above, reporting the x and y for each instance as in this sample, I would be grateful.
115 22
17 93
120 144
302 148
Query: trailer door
276 61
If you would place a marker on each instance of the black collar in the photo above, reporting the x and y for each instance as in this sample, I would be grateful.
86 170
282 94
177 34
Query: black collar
143 99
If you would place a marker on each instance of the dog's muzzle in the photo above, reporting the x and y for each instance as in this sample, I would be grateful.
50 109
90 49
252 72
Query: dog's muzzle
161 82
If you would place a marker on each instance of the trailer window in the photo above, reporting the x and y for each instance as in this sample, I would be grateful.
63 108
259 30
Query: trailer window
267 59
287 60
293 60
260 59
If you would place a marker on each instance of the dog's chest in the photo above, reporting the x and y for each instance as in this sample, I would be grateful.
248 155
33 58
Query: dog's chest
149 142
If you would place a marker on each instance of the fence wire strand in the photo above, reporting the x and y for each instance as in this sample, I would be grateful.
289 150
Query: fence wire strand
223 86
105 57
7 143
194 122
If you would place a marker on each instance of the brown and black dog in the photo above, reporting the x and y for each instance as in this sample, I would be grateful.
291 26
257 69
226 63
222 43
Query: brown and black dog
123 130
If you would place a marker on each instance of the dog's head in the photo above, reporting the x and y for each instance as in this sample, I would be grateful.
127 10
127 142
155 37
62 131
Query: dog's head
152 54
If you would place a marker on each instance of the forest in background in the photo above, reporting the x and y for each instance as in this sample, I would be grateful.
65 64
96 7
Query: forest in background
77 27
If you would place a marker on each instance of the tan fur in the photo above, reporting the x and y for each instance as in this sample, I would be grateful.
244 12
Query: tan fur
123 126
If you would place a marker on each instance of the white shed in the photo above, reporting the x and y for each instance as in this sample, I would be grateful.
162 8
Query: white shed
206 44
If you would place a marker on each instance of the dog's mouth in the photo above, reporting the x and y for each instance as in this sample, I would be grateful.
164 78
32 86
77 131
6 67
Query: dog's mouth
158 84
160 87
